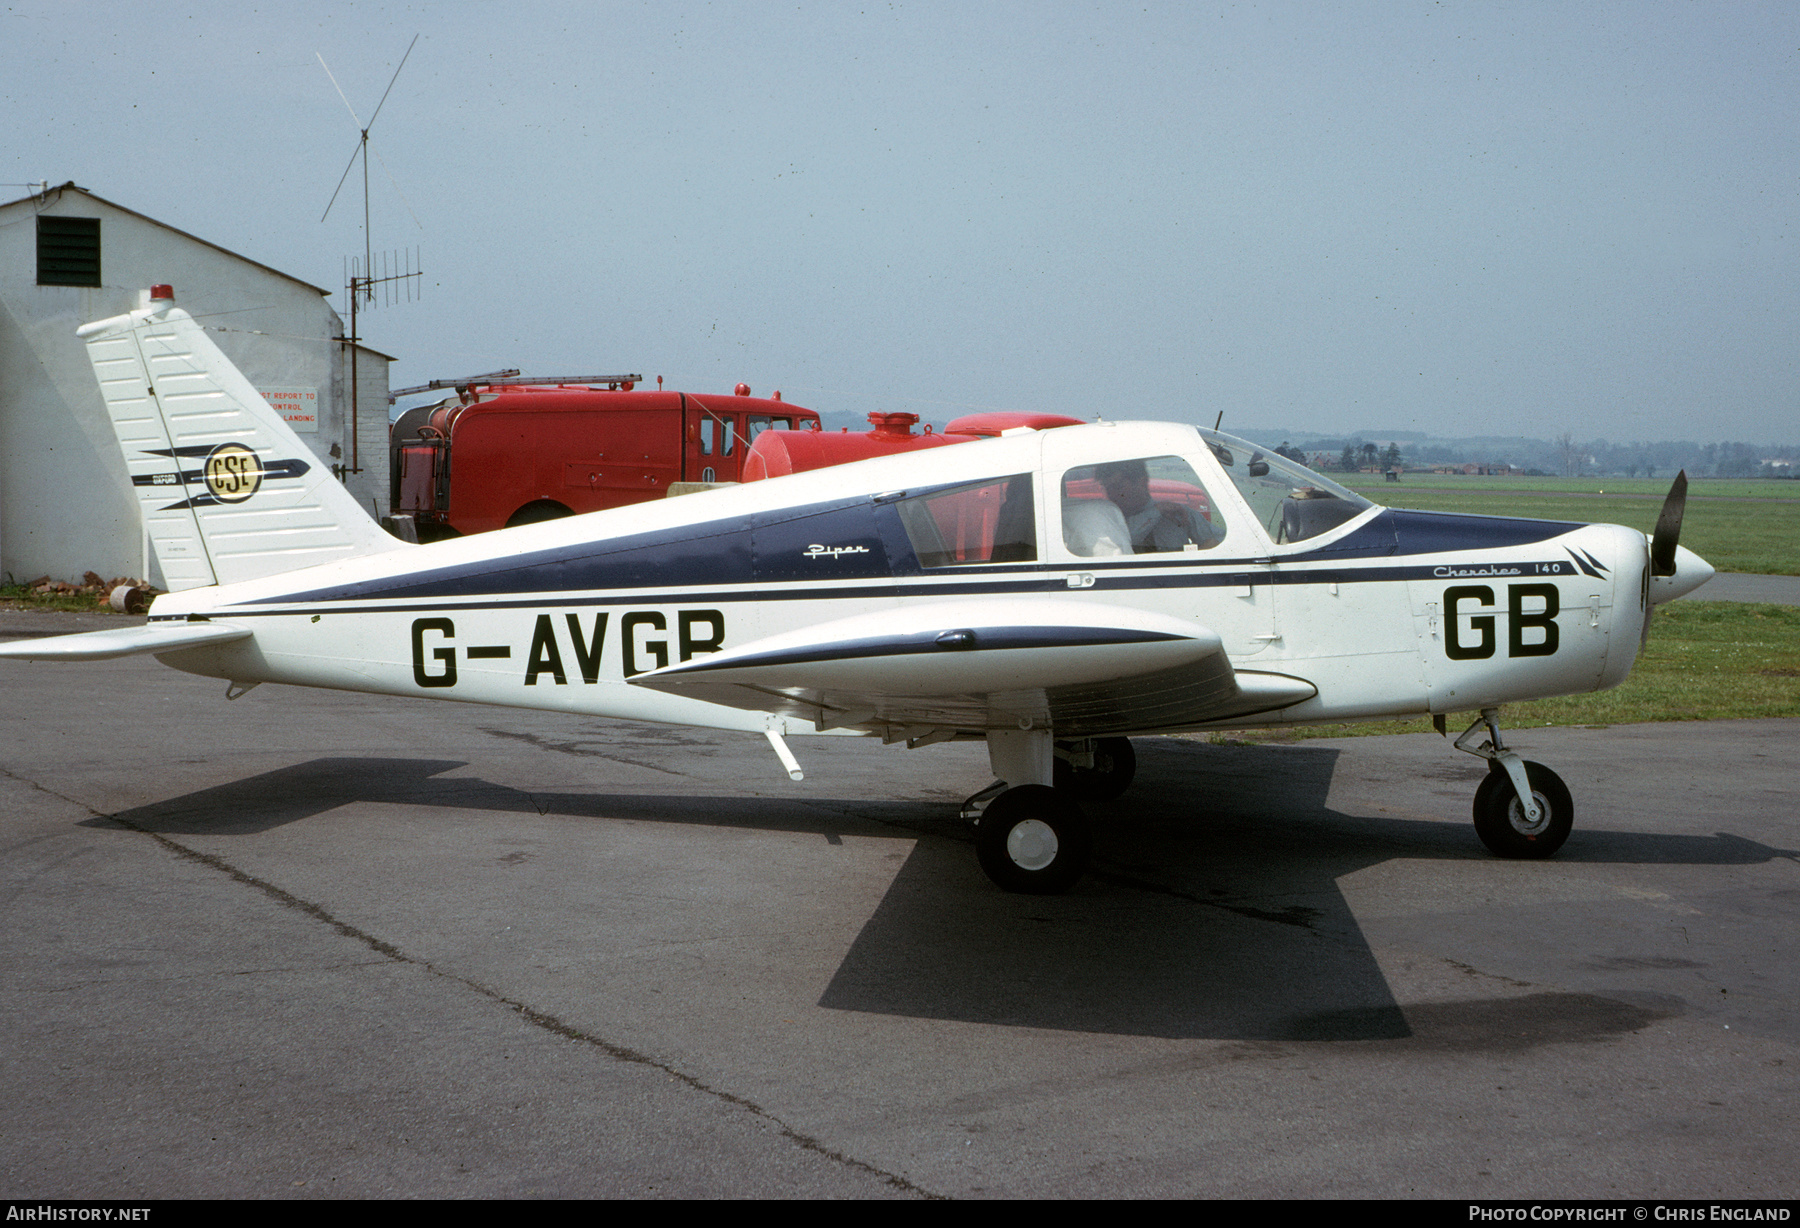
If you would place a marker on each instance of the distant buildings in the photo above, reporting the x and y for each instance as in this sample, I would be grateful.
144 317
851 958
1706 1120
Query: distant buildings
1477 470
68 257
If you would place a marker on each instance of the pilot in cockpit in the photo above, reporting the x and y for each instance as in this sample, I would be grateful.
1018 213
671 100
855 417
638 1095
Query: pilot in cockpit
1155 527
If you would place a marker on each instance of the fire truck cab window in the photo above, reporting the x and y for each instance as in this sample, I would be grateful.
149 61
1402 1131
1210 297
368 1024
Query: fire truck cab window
763 422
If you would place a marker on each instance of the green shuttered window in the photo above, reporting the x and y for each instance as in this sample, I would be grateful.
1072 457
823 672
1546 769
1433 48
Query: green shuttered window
68 251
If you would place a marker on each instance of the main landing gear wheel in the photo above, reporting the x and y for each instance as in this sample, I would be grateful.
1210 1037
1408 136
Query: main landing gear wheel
1500 820
1033 839
1115 763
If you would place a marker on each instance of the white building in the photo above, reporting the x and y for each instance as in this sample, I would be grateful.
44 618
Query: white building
68 257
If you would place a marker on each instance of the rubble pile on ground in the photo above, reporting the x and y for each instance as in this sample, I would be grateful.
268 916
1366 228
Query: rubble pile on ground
92 585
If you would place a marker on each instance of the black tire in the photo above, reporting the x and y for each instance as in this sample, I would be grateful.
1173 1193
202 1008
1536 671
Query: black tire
1500 819
429 533
1115 763
1034 840
538 513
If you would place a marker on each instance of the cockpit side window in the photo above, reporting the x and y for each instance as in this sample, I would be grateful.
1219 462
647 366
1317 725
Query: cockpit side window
1292 502
1153 505
992 521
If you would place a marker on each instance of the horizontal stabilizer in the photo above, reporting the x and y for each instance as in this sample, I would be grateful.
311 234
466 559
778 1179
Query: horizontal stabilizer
123 642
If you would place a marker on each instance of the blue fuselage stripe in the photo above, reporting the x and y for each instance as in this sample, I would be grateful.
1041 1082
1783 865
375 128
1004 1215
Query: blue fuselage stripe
1019 579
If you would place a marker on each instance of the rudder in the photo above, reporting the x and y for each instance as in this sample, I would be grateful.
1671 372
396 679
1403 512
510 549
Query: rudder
227 490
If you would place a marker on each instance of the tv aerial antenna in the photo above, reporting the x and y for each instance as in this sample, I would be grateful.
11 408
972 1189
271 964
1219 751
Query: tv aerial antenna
396 272
399 275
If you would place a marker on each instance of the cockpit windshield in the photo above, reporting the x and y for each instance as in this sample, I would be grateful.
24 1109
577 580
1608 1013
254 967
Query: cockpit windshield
1292 502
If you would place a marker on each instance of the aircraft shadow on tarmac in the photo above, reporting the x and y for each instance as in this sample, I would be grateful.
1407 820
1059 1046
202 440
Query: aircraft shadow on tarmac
1212 911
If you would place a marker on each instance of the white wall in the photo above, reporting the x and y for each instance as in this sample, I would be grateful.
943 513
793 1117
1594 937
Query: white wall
371 485
65 502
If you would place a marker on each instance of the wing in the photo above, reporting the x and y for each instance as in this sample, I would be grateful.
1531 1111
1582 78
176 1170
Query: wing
1082 670
123 642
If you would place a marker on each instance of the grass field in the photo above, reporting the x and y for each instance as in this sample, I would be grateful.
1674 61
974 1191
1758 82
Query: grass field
18 597
1736 524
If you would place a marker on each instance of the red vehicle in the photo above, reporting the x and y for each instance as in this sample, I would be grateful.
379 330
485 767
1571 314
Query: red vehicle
499 455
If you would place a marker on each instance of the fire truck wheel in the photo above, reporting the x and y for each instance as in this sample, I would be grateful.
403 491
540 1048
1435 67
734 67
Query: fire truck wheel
538 513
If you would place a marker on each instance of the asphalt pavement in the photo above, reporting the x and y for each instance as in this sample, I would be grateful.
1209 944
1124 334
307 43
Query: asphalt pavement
1744 586
316 944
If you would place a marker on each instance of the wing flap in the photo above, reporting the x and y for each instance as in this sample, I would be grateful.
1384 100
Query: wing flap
123 642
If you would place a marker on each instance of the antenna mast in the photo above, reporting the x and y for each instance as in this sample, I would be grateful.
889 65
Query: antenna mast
399 269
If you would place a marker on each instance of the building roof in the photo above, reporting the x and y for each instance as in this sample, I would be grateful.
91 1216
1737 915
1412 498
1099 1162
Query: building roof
72 186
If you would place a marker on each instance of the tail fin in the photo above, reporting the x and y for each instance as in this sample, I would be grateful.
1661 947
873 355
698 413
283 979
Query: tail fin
227 490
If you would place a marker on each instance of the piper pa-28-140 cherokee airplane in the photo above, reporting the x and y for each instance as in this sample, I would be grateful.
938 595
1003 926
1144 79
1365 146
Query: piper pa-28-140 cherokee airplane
1048 591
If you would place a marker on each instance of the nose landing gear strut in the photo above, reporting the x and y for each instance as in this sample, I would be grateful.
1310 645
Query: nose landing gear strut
1522 809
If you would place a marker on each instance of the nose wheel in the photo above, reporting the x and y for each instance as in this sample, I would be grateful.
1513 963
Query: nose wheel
1501 821
1033 839
1522 808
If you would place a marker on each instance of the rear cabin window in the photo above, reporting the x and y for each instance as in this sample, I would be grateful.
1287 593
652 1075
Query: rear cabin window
985 522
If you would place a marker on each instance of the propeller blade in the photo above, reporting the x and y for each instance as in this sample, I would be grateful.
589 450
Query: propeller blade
1668 528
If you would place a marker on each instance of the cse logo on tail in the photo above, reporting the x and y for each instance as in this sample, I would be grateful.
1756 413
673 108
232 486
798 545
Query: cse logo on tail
229 472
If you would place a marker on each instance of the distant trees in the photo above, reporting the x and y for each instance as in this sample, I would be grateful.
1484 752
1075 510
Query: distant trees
1569 454
1737 460
1565 454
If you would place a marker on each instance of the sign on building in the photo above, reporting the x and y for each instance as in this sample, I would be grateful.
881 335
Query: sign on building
299 407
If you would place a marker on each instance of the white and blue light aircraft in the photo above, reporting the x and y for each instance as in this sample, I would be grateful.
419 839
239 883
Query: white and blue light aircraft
1051 592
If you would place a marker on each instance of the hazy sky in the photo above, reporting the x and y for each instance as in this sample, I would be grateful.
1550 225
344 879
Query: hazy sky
1459 218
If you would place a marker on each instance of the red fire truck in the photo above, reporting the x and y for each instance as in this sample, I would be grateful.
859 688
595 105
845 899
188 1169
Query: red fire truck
498 455
503 454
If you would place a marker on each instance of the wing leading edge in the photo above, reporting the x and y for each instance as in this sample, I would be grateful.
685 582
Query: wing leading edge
123 642
988 665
